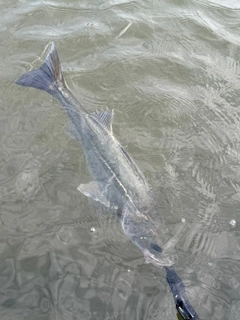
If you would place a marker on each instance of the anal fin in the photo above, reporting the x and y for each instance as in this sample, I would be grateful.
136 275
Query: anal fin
71 131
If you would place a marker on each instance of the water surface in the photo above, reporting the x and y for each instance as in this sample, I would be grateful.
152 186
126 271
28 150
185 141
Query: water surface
170 70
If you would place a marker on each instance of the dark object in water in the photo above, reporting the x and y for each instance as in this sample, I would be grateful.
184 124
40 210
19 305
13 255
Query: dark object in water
182 303
177 287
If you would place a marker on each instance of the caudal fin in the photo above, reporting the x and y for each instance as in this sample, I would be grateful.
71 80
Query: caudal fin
48 77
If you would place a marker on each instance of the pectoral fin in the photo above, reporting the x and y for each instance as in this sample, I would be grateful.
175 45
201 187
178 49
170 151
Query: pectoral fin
92 190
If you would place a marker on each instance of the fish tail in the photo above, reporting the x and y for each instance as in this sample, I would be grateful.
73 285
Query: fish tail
48 77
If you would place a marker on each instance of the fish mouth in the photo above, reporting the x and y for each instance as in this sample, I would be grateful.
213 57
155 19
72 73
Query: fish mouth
160 261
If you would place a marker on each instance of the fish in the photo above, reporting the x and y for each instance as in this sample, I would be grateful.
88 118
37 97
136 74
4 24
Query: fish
117 182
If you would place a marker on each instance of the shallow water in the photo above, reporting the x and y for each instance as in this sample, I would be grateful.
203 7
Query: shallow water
170 69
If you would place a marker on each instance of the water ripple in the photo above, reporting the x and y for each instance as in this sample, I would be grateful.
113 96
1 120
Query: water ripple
220 4
170 70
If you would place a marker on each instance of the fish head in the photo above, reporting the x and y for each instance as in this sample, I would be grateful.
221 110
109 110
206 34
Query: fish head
158 259
153 253
147 234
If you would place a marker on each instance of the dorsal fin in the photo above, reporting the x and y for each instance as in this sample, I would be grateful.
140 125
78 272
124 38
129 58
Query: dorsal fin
105 118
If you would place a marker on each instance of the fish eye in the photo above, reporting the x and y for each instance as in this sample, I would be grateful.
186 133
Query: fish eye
155 247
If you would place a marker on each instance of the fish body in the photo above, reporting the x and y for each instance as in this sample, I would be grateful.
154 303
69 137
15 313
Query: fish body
117 182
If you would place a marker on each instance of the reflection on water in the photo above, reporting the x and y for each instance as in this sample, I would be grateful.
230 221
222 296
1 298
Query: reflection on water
170 70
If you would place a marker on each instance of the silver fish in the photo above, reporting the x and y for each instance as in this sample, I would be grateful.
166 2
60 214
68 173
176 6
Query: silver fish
117 181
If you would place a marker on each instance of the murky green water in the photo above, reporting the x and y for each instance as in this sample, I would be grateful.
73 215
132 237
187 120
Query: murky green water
170 69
